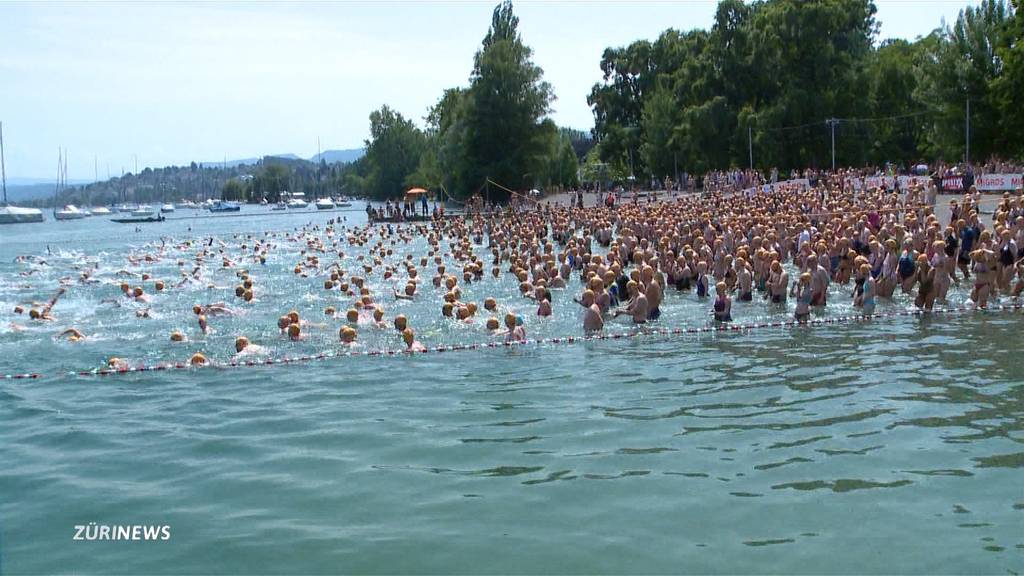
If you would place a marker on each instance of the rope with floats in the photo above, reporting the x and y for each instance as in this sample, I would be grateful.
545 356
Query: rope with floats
720 328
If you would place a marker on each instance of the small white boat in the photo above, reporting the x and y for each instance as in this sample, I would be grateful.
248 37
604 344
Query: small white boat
127 208
324 204
100 211
279 206
297 203
16 215
167 208
143 212
70 212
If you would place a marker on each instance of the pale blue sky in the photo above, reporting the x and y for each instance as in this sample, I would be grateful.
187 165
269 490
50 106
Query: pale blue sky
176 82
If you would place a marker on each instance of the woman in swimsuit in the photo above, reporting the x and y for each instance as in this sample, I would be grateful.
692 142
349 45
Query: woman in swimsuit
940 265
984 271
926 284
744 280
702 279
906 267
723 304
868 297
1007 258
803 298
777 283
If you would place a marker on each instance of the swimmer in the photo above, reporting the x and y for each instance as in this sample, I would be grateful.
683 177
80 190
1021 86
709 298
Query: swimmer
347 334
637 306
592 320
803 298
722 309
72 334
412 345
245 348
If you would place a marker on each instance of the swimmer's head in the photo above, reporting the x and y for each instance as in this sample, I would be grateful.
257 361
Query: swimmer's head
19 310
283 322
329 311
239 290
490 304
352 315
446 309
159 285
177 336
401 323
137 291
197 359
293 316
347 334
294 331
510 320
34 314
378 313
240 343
492 323
408 336
197 309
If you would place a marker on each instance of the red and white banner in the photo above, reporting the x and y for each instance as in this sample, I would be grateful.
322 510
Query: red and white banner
999 181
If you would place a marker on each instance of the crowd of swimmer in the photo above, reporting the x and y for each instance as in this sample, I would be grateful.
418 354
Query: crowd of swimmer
718 247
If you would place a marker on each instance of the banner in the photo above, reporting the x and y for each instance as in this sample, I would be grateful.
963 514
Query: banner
1008 182
890 182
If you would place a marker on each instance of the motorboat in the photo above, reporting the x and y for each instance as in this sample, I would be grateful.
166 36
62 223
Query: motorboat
279 206
100 211
324 204
222 206
70 212
143 212
167 208
343 202
128 208
17 215
297 203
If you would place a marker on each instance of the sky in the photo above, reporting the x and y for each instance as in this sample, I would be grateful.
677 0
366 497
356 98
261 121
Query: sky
168 83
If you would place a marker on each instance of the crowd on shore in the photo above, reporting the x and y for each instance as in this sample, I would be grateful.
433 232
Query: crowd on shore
795 248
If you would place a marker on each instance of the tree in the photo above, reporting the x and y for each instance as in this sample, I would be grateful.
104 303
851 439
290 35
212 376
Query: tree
233 190
504 136
392 153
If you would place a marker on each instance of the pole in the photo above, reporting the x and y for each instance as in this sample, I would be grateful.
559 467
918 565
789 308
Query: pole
832 123
967 152
3 166
750 146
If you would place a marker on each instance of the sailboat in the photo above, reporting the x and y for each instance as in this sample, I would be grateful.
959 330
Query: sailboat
13 214
70 212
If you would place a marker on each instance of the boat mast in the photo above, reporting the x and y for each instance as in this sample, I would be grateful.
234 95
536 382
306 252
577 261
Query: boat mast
3 167
319 159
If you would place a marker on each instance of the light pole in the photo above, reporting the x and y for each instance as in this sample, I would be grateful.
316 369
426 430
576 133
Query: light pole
832 124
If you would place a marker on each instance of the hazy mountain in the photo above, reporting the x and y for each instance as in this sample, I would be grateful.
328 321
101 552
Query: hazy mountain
332 156
22 192
329 156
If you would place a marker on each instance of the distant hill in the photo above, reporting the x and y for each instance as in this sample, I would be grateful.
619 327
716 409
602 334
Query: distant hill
329 156
23 192
332 156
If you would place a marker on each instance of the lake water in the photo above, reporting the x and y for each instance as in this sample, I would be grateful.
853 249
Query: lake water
895 445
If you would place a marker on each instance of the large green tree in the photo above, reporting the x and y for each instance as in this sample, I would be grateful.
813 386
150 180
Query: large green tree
502 135
392 153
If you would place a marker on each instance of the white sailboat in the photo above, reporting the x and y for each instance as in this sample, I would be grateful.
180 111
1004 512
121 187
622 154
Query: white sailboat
13 214
70 211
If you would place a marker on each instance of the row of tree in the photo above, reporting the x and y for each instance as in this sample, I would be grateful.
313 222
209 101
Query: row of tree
266 179
771 80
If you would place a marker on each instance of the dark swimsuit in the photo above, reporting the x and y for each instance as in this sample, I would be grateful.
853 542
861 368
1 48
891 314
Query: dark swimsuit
720 314
702 287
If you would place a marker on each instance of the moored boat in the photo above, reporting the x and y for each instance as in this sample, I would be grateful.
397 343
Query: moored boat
324 204
222 206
